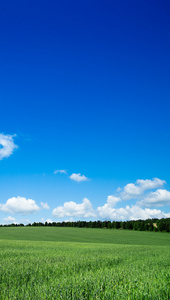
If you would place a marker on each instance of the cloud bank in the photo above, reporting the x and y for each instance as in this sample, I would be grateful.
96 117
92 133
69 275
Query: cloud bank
7 145
140 200
145 203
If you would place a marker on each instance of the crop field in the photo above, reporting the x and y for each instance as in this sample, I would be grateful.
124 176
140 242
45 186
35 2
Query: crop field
79 263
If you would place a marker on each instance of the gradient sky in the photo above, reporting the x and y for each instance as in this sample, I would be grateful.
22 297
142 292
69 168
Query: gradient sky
84 110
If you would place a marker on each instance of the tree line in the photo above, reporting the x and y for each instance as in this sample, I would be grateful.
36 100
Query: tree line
140 225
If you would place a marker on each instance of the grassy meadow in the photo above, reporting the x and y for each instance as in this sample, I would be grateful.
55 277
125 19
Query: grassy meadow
79 263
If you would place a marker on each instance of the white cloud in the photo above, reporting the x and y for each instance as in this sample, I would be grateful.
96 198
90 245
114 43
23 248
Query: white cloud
7 145
112 200
72 209
106 211
160 197
20 205
10 220
132 190
148 184
44 205
60 171
78 177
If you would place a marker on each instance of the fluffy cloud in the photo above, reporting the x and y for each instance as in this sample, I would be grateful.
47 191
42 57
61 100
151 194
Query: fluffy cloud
20 205
106 211
44 205
131 190
148 184
78 177
160 197
60 171
72 209
7 145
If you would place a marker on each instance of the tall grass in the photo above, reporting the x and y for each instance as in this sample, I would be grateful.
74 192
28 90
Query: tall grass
73 270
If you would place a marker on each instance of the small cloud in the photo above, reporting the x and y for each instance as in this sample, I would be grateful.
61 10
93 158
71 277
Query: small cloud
60 171
78 177
7 145
44 205
72 209
48 220
20 205
69 220
10 220
24 221
119 189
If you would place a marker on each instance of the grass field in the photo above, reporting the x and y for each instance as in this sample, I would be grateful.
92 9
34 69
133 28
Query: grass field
80 263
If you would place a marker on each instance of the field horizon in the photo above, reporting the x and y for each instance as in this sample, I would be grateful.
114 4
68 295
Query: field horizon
85 235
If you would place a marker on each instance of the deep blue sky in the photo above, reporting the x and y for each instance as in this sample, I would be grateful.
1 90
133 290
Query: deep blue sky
85 87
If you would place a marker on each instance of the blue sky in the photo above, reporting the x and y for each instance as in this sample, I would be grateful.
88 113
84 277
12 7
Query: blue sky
84 88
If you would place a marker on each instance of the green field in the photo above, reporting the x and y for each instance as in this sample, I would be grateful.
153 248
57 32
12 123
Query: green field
80 263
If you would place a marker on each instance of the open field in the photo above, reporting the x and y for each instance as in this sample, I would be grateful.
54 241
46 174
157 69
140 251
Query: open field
80 263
